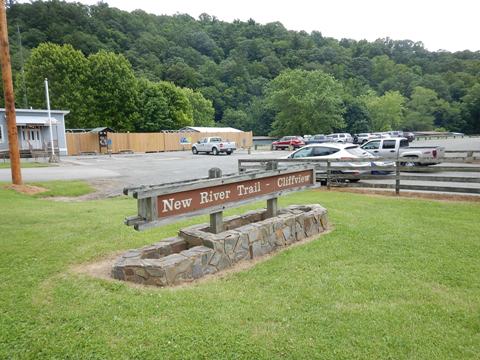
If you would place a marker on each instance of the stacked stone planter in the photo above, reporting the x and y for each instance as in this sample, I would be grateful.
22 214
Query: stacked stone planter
197 252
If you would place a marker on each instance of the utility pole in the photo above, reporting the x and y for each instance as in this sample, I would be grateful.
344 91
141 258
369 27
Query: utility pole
9 98
20 46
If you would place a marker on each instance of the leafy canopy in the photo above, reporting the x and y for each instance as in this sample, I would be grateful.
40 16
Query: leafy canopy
305 102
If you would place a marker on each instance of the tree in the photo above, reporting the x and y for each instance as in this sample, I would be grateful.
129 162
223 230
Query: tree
305 102
230 63
421 109
66 70
115 91
237 119
385 112
471 106
203 111
162 106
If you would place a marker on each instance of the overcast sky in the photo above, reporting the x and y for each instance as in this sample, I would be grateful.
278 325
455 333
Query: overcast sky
440 24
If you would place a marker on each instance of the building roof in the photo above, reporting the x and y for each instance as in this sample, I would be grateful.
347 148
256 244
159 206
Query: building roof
33 120
43 111
210 129
100 129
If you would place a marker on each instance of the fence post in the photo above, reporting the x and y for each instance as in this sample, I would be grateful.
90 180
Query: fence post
397 177
216 219
272 204
328 174
469 158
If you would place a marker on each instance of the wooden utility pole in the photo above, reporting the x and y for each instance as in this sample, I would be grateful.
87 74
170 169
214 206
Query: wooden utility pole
9 98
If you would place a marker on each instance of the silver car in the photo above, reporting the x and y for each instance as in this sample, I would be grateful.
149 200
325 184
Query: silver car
341 137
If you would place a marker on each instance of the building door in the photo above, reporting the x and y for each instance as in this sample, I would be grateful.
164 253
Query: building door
31 138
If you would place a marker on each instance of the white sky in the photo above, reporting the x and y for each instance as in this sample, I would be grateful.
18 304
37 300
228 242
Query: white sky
451 25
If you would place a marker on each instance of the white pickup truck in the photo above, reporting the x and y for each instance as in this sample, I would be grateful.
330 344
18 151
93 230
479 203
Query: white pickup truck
213 145
392 148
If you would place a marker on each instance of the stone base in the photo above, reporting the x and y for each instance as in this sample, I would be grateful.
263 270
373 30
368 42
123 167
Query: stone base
197 252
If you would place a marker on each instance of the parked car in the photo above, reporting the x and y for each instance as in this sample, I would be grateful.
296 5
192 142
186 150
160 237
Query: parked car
213 145
409 135
397 133
393 148
381 135
318 139
364 137
334 151
341 137
288 142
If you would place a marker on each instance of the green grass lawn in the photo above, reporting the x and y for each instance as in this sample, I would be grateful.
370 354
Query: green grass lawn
26 164
396 279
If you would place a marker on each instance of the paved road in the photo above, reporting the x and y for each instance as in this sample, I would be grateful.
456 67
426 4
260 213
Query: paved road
139 169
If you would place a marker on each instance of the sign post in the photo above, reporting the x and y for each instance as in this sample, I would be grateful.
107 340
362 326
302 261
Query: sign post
272 204
216 218
166 203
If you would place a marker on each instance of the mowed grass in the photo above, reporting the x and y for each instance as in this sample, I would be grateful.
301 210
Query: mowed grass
26 164
63 188
396 279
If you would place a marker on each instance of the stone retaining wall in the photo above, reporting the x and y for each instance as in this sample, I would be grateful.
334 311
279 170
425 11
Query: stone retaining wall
197 252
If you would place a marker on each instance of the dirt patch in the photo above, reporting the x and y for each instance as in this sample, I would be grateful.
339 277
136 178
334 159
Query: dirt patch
101 269
410 194
26 189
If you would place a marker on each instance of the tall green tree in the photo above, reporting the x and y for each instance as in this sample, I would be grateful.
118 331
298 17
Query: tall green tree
305 102
162 106
471 108
237 119
385 112
421 109
115 90
203 112
67 72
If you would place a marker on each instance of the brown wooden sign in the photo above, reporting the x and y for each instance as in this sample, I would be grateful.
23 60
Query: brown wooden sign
166 203
204 198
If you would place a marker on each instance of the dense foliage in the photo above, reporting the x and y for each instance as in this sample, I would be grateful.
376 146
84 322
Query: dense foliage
381 85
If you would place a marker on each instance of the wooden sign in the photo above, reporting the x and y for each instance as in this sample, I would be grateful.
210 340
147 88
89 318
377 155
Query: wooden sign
168 202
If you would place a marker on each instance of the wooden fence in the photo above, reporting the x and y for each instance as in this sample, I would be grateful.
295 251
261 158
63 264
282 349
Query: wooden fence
78 143
394 176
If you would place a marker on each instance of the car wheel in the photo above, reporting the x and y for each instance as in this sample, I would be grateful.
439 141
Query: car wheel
229 152
409 163
194 151
215 151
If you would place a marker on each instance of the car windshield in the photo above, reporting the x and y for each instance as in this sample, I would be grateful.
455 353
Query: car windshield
362 134
302 153
356 151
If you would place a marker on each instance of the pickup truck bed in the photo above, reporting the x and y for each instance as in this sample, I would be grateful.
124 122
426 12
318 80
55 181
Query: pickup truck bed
393 148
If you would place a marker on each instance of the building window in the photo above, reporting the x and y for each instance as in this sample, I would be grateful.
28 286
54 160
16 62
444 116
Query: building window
1 134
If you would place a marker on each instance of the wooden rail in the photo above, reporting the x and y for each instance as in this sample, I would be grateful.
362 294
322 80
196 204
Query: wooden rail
345 173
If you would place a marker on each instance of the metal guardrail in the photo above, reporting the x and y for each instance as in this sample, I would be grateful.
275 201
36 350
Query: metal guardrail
334 173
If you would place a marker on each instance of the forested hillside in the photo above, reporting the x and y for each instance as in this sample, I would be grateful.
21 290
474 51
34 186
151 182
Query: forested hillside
134 71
